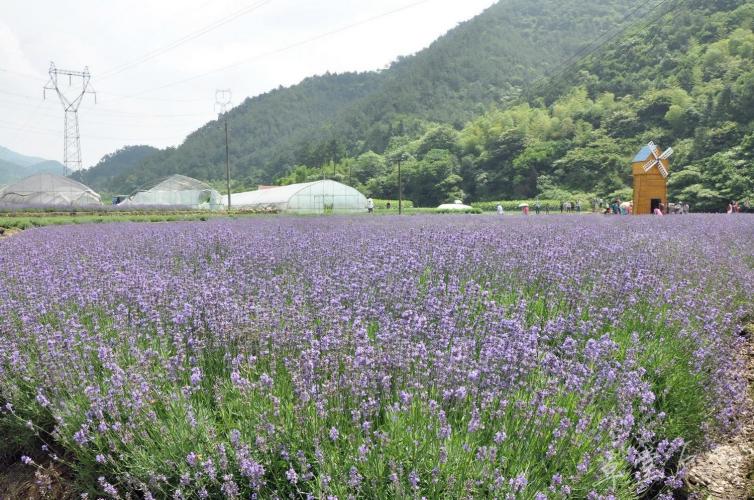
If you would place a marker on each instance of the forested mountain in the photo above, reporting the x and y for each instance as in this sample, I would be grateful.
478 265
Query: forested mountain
331 117
682 77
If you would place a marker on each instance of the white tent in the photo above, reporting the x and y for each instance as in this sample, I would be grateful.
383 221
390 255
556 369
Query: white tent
48 190
457 205
308 198
175 191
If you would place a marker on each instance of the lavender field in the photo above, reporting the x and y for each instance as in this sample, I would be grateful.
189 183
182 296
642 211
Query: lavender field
437 357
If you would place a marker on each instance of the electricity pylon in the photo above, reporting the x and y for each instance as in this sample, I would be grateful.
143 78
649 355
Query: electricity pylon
71 102
222 103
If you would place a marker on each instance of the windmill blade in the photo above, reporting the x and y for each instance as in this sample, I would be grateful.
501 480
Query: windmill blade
663 170
651 163
667 154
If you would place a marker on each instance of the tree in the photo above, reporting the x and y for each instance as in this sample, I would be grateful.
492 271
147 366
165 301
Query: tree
432 179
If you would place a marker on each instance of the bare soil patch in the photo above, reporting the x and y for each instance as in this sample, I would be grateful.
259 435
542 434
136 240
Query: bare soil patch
6 232
726 472
47 480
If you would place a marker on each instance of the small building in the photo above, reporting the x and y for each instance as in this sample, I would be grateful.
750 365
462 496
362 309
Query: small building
48 190
319 197
176 191
650 172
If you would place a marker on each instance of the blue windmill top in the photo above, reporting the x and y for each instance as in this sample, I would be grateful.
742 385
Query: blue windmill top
644 154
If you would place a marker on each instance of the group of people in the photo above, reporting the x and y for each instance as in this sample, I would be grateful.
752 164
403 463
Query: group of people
370 205
570 206
618 207
735 207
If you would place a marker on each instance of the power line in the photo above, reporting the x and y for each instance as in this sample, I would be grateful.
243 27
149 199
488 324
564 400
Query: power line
152 98
37 78
284 49
25 75
185 39
106 110
47 131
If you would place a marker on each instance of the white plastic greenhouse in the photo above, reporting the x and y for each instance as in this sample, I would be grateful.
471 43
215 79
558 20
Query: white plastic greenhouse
48 190
318 197
176 191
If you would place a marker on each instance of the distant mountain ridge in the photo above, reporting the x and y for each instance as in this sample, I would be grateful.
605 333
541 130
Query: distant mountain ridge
326 118
17 158
15 166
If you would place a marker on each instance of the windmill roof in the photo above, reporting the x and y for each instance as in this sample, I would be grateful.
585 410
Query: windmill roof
643 154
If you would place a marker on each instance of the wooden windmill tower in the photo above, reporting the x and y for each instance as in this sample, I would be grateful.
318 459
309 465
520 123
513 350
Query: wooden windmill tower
650 171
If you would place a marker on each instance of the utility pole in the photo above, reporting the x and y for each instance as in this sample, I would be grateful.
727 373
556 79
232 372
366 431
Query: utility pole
400 187
72 137
222 102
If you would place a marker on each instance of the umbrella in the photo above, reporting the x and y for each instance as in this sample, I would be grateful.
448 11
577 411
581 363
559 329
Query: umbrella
523 205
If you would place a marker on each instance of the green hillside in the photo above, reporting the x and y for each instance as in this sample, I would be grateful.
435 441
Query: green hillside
330 117
681 77
119 163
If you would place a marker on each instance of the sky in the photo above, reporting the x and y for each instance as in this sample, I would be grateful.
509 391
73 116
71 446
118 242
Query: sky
156 64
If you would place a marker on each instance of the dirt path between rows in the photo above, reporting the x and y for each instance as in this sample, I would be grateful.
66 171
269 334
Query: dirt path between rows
6 232
725 472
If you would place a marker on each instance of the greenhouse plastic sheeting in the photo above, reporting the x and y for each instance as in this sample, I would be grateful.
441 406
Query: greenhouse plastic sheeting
309 198
48 190
176 191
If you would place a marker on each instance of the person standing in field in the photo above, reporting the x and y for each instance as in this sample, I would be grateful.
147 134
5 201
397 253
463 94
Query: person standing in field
537 208
730 208
660 210
500 209
370 205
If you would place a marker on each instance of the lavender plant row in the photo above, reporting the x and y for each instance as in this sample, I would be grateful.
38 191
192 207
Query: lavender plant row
373 358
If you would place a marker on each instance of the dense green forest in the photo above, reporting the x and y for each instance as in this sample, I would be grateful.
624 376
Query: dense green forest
477 64
468 118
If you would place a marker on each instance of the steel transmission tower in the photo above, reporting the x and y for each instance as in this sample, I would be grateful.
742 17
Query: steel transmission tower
222 103
71 99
